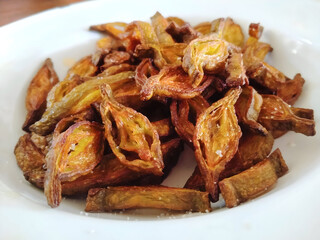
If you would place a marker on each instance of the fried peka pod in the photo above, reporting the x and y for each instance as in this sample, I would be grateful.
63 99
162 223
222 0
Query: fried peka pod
77 100
253 148
216 139
182 34
236 71
253 182
159 24
73 153
206 54
131 136
118 198
275 81
115 29
180 115
276 115
37 92
172 82
248 107
228 30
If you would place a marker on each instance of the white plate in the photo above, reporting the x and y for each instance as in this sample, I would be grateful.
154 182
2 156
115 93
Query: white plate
290 211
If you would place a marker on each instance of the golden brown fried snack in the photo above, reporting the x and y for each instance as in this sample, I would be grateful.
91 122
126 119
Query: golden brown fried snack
118 198
248 108
276 115
131 136
253 182
228 30
206 54
37 92
216 139
107 44
176 20
236 71
159 24
274 80
182 34
115 58
163 127
173 54
73 153
85 67
77 100
195 181
172 82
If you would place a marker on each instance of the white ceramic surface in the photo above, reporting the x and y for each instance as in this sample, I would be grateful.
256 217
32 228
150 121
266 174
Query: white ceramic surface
289 211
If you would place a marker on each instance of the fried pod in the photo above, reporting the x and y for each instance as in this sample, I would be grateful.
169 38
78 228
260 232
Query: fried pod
228 30
276 115
159 24
205 54
253 182
216 139
248 108
172 82
236 71
115 29
131 136
73 153
85 67
37 92
118 198
77 100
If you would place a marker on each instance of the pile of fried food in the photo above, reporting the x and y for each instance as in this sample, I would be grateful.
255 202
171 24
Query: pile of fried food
114 127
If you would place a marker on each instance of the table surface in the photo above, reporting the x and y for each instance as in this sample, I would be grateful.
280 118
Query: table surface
12 10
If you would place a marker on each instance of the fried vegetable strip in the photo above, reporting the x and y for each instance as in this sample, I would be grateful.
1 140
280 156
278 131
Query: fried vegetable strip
216 139
74 153
248 108
85 67
275 115
131 136
253 182
205 54
77 100
235 69
118 198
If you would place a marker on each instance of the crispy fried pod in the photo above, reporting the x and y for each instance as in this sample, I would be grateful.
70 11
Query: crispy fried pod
37 92
115 29
131 136
236 71
216 139
228 30
159 24
73 153
276 115
118 198
205 54
85 67
172 82
253 182
248 108
77 100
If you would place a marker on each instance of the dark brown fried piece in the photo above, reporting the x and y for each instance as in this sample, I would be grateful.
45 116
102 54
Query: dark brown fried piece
172 82
182 34
180 116
216 139
131 136
206 54
118 198
170 151
253 182
163 127
255 30
271 78
73 153
276 115
248 108
195 181
37 93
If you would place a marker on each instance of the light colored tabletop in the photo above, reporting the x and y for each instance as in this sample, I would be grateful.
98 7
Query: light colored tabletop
12 10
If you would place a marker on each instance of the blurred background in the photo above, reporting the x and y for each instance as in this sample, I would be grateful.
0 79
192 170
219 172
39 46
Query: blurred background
12 10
